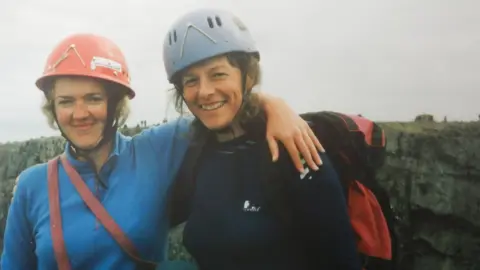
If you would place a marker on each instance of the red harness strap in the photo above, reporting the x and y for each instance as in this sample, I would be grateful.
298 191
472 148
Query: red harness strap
55 217
95 206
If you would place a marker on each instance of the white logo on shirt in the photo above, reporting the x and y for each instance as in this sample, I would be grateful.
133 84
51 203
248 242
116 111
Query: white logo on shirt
247 207
306 170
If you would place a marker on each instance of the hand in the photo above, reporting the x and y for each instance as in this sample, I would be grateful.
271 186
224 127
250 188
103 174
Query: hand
288 127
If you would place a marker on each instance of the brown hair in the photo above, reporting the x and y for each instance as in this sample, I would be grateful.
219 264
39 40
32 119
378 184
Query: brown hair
114 91
250 68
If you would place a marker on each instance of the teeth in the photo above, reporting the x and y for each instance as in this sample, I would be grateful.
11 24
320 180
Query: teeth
213 106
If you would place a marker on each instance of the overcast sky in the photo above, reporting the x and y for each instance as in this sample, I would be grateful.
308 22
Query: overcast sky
388 60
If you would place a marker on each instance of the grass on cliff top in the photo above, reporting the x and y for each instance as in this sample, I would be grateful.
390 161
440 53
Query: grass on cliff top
427 127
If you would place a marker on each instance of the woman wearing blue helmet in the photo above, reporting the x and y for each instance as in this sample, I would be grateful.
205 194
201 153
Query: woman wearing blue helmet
242 210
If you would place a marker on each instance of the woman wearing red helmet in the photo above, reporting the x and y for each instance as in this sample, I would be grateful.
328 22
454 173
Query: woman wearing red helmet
122 180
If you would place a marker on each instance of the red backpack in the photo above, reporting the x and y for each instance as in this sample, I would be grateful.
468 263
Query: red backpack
357 148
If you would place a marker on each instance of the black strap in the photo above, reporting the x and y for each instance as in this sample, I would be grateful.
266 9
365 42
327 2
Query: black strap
183 188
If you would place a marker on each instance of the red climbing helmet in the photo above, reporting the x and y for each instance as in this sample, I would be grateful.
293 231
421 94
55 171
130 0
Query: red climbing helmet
87 55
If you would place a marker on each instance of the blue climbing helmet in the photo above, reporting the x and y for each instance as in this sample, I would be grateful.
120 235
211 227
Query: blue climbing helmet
202 34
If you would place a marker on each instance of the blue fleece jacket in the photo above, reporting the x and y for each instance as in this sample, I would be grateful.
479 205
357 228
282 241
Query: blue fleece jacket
138 174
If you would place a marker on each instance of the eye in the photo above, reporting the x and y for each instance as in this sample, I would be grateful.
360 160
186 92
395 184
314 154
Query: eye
64 102
219 74
95 98
189 81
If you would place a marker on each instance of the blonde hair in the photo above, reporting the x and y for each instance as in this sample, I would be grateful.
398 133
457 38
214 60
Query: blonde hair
115 91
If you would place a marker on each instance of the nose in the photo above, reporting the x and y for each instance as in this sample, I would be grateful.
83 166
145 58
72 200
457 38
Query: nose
80 110
205 88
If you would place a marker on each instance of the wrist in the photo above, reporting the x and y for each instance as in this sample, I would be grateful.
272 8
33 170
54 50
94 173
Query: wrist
268 101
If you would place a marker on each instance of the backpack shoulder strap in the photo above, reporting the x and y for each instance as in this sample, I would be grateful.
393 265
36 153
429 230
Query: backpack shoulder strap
95 206
183 188
276 186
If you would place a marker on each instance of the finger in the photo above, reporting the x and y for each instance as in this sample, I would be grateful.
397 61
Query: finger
315 140
305 152
312 139
311 147
273 145
292 150
303 149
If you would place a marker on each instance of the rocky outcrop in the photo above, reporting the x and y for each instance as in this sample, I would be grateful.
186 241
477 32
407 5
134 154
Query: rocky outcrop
16 157
432 173
433 176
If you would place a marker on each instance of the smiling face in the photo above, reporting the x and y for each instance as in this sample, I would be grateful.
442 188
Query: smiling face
212 91
81 109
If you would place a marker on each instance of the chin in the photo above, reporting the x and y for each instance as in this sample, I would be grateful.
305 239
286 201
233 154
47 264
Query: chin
85 146
84 143
216 126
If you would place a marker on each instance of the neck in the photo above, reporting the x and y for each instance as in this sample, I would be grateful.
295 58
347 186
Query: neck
230 133
99 157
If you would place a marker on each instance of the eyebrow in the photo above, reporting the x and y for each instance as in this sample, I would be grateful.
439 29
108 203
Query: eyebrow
210 69
88 94
218 66
63 97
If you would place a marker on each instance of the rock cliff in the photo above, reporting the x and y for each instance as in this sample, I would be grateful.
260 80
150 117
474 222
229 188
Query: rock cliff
432 173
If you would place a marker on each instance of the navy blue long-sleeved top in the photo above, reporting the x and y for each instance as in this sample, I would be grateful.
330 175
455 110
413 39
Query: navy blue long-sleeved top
233 226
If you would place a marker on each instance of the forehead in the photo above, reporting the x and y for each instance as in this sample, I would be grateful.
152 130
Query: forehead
76 86
216 62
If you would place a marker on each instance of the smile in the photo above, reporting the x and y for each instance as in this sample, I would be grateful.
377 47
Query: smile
83 127
213 106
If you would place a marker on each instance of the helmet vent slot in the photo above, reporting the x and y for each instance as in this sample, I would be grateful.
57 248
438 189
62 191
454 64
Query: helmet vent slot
218 21
210 22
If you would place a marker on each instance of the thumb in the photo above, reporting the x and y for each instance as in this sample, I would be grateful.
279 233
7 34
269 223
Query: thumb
273 145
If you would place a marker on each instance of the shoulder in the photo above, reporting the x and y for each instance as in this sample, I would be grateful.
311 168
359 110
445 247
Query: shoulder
179 125
326 170
176 129
30 179
326 175
163 141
